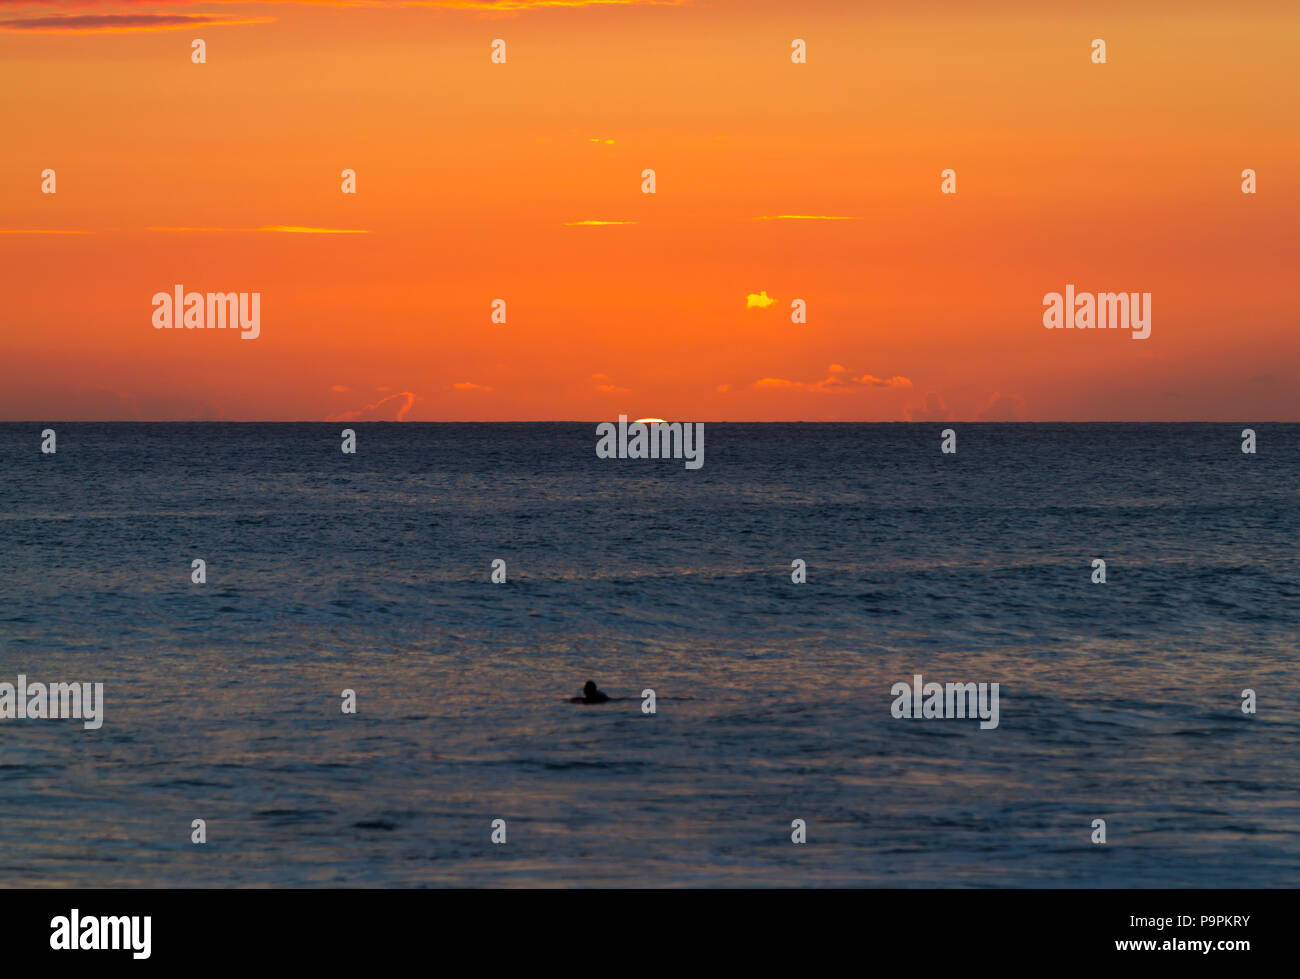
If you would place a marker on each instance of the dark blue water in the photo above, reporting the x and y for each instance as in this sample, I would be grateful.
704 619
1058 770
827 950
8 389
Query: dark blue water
371 572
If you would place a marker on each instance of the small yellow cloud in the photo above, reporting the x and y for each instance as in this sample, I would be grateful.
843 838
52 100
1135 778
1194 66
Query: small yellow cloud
594 224
296 229
762 300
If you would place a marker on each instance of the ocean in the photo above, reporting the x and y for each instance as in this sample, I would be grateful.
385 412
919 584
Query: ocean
371 572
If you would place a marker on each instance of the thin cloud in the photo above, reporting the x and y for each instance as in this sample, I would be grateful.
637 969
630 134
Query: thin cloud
758 299
41 231
121 23
518 6
294 229
595 224
276 228
805 217
883 382
833 384
470 386
473 6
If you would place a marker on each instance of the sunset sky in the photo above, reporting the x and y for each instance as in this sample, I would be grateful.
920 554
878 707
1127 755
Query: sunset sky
474 178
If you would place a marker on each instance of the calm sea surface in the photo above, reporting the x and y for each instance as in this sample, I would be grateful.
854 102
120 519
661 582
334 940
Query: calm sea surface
370 572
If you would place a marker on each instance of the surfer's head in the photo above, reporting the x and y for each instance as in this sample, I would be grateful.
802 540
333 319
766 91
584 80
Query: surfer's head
589 689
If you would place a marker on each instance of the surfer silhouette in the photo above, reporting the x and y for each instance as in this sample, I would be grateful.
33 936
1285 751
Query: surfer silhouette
590 695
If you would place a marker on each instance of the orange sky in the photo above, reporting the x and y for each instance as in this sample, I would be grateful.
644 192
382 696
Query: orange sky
1115 177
